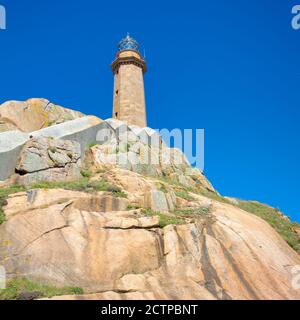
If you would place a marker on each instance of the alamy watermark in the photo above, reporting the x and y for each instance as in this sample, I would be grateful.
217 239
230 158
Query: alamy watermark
296 18
2 18
144 146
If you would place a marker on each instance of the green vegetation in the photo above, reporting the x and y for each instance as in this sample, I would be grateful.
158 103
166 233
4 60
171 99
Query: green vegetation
212 195
4 193
91 145
184 195
117 191
81 185
52 149
133 206
202 211
17 287
50 123
2 216
282 225
86 173
182 191
164 219
172 182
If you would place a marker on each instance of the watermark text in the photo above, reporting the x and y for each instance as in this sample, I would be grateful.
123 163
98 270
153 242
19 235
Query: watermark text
2 18
296 18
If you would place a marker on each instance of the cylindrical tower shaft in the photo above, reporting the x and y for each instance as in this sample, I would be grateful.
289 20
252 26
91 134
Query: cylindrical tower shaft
129 95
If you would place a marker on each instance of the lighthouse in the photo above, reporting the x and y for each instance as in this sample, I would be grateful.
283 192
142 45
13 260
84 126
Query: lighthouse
129 94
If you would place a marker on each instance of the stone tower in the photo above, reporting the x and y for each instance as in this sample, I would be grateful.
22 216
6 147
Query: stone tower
129 96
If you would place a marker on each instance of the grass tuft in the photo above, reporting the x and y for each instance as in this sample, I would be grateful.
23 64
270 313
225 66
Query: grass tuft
133 206
19 286
202 211
81 185
86 173
282 225
164 220
184 195
93 144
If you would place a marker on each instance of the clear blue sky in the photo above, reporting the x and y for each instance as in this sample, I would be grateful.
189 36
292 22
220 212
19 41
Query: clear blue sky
231 67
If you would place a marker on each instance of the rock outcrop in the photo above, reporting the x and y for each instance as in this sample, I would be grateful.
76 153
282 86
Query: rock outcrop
95 242
144 152
83 130
33 114
46 159
110 143
123 216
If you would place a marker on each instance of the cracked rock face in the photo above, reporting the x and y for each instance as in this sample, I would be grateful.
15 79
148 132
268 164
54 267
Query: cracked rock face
129 152
46 159
95 242
33 114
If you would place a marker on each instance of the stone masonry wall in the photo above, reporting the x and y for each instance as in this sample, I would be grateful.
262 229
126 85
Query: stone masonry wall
129 96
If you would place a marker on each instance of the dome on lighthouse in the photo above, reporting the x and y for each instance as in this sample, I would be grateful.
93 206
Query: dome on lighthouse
128 43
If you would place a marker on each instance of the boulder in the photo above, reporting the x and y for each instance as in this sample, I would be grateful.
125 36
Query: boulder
142 191
46 159
141 150
11 143
67 238
84 130
136 186
33 114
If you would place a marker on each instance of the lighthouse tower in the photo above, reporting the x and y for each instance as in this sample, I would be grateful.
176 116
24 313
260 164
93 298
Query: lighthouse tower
129 95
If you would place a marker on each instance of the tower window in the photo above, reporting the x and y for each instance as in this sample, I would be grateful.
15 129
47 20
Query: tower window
117 92
116 114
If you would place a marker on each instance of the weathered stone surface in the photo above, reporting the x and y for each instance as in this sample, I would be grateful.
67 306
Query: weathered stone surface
147 136
136 186
158 201
85 131
99 242
137 149
11 143
119 127
141 150
33 114
128 220
129 97
118 254
7 125
40 198
142 191
46 159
